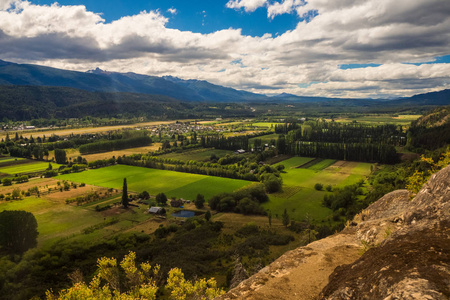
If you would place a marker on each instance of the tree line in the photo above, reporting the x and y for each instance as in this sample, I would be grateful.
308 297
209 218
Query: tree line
105 146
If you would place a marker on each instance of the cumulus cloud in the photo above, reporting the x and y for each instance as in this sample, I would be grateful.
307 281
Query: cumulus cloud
247 5
172 10
285 7
6 4
303 61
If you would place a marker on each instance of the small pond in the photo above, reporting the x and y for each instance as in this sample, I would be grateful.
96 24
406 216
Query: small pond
184 214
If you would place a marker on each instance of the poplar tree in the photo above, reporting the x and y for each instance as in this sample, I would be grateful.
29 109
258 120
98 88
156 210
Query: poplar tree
125 194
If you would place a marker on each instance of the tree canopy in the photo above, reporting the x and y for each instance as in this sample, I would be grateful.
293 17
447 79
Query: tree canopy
18 231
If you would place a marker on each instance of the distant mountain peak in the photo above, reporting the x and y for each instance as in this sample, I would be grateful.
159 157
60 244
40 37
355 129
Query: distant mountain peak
98 71
5 63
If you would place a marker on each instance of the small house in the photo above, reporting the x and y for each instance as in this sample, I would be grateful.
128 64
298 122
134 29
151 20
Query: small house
154 210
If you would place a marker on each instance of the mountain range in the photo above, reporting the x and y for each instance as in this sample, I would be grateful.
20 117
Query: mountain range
185 90
101 81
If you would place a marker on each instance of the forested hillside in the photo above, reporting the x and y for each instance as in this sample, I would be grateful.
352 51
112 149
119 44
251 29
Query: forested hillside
34 102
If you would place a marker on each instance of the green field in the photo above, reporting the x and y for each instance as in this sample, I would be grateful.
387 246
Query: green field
382 119
173 184
300 198
295 162
266 124
4 160
57 220
197 154
31 166
265 138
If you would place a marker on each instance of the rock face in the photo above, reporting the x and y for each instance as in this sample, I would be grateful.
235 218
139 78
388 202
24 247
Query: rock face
406 245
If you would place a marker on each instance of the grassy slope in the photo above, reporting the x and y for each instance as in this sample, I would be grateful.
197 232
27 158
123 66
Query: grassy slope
197 154
299 196
55 220
33 166
156 181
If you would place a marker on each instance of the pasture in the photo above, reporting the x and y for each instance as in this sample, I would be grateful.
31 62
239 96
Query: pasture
265 124
74 153
22 166
197 154
404 120
173 184
299 197
265 138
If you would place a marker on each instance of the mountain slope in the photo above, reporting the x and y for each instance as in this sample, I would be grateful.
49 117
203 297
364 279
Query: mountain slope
187 90
408 254
98 80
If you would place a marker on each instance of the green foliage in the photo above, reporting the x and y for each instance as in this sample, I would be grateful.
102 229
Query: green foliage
318 186
125 194
18 231
208 216
15 194
199 201
246 201
60 156
161 199
7 181
272 183
105 146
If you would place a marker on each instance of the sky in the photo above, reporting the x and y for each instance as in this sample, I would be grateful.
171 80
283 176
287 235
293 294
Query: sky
331 48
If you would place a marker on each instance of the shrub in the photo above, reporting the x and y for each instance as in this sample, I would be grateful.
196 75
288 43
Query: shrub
318 186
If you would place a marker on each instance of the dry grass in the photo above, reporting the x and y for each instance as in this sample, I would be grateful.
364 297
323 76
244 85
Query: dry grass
41 183
73 193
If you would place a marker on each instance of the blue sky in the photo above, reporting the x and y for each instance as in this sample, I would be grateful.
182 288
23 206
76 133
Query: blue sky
197 15
351 48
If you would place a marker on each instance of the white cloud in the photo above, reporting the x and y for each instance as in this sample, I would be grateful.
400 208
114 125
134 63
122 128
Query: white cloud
172 10
285 7
247 5
386 32
6 4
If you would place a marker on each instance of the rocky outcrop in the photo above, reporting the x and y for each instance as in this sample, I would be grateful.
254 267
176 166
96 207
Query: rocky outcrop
397 248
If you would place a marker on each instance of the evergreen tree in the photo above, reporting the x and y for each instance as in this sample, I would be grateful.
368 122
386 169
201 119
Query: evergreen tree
285 218
125 194
208 216
199 201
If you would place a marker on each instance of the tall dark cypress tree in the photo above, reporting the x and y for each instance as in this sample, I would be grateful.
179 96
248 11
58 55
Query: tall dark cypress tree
125 194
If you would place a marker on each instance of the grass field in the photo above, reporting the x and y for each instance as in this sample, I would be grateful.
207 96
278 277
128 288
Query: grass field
197 154
300 198
29 167
382 119
265 138
55 220
295 162
74 153
4 160
155 181
266 124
